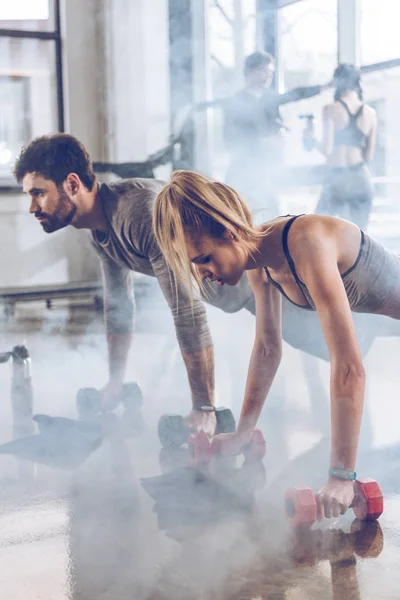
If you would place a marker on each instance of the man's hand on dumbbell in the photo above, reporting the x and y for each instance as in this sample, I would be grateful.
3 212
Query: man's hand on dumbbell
110 395
334 498
202 450
198 420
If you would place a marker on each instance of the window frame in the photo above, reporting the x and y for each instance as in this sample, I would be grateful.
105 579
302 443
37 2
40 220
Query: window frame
53 37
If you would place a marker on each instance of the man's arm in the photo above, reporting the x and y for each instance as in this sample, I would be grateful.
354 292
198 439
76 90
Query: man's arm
119 312
192 332
301 93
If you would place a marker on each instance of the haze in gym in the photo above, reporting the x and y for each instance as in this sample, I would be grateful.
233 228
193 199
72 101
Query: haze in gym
113 482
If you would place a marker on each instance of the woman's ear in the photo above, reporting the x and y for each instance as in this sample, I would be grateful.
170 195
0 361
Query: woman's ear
228 236
231 236
236 235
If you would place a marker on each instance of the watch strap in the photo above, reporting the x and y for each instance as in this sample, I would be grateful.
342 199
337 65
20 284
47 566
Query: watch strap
342 474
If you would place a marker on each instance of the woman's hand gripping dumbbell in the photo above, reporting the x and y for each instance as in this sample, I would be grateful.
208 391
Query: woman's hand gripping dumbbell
302 509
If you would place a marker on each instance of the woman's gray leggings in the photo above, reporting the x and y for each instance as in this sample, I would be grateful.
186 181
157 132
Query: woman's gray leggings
347 193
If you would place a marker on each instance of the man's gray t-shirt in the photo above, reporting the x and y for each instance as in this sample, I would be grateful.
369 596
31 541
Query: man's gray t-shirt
129 245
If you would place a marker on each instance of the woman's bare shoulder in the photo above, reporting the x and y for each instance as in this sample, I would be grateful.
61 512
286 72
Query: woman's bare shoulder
368 110
317 230
319 236
313 222
307 221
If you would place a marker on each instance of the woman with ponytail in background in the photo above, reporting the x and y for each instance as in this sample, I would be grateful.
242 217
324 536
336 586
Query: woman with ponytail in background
349 139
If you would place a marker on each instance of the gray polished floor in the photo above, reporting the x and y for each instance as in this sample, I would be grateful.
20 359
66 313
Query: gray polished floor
95 533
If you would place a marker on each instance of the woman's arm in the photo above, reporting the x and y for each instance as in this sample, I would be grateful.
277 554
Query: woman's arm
369 150
315 255
266 354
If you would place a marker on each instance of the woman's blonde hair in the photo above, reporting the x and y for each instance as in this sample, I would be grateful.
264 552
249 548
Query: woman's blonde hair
194 205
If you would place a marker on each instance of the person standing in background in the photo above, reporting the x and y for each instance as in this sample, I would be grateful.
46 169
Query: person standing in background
348 142
253 131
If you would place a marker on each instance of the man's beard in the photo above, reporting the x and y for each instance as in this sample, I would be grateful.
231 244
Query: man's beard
61 217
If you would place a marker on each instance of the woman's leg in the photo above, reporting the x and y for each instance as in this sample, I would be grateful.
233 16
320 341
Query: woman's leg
325 205
333 201
360 207
359 194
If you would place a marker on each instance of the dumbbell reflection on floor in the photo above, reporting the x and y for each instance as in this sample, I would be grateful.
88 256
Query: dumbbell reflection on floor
88 402
301 505
308 547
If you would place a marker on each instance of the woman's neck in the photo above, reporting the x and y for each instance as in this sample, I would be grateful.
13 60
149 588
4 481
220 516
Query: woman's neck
265 251
349 96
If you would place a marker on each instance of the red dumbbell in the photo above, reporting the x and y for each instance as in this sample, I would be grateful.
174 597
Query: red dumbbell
256 449
201 450
301 506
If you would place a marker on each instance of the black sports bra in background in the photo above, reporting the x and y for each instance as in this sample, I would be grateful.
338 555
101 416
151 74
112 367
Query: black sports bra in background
351 135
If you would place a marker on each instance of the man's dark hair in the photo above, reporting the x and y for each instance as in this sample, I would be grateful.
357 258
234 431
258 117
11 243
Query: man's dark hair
55 157
256 60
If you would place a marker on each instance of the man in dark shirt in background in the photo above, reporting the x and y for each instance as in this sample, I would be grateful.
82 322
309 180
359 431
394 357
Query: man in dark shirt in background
253 131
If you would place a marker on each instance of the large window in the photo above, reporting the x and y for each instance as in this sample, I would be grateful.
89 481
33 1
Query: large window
30 77
232 36
14 122
379 31
34 15
308 42
308 35
382 91
24 9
